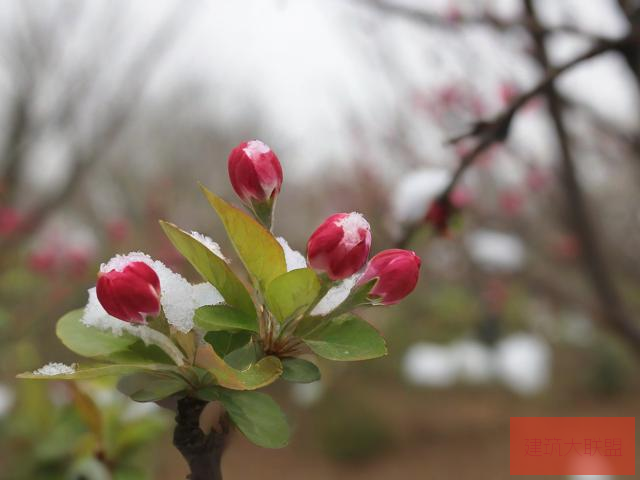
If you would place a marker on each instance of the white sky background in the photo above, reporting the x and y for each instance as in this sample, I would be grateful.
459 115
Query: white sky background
311 69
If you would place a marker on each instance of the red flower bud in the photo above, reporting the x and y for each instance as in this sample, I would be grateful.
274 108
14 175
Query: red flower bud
397 272
511 202
130 294
10 221
439 215
255 172
340 246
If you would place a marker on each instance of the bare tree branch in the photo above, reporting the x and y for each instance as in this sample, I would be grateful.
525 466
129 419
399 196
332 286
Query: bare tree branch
497 129
485 19
595 262
85 153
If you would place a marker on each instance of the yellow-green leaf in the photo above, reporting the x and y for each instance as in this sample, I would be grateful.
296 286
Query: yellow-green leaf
96 371
258 249
259 374
212 318
212 268
291 292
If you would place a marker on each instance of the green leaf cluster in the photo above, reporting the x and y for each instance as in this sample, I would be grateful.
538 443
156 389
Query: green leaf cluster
254 338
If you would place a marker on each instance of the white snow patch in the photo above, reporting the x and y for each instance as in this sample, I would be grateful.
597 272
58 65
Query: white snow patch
137 410
336 295
475 361
307 394
96 316
179 298
430 365
255 148
524 363
351 226
496 250
205 294
293 258
53 368
7 399
210 244
414 193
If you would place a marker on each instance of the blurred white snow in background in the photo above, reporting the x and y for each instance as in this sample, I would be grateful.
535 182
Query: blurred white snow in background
496 251
521 362
7 398
415 192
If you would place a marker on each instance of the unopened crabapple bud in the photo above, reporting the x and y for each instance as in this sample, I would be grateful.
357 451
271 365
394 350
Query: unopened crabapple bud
130 294
340 246
397 272
255 172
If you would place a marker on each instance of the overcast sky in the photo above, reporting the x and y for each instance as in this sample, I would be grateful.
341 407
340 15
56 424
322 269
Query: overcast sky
312 69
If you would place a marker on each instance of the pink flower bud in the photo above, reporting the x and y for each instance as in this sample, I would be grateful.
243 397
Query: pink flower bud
118 230
508 91
439 215
511 202
340 246
537 178
255 172
130 294
42 261
10 221
397 272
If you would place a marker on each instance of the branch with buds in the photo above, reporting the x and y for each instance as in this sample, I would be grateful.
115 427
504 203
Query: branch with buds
224 339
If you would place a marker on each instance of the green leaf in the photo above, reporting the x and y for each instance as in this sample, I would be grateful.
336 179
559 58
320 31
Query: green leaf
213 318
212 268
90 341
96 371
244 356
291 292
259 374
138 353
150 387
259 251
298 370
255 414
346 338
226 342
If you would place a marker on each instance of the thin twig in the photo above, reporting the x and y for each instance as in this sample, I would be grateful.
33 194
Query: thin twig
494 131
447 21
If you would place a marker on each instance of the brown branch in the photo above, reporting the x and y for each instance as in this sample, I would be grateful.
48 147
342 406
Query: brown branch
202 451
436 20
13 152
497 129
593 257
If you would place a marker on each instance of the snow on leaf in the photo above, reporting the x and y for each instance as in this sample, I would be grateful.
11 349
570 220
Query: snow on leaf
336 295
293 258
55 368
496 250
210 244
